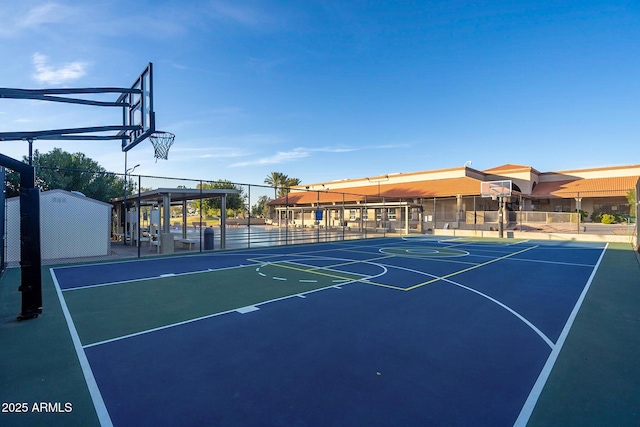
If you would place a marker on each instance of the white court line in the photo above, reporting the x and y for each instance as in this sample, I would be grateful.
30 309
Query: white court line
495 301
143 279
534 395
197 319
539 261
509 309
184 322
92 385
518 243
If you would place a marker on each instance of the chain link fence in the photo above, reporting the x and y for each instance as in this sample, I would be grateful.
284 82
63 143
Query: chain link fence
116 216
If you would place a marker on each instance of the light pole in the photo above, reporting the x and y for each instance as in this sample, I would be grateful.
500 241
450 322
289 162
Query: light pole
126 185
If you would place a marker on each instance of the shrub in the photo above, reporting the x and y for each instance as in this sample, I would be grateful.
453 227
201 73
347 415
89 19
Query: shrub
583 214
596 217
608 219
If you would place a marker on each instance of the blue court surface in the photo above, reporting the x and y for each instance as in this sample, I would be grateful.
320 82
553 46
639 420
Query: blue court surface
408 331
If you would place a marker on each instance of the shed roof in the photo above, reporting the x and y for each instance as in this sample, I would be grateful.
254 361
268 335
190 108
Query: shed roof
45 195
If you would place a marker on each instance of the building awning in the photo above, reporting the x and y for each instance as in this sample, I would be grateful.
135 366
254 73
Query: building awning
592 187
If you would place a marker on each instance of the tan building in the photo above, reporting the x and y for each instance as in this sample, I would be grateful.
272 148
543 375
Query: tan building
451 198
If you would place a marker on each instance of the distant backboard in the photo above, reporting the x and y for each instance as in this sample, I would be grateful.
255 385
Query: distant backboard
137 110
495 189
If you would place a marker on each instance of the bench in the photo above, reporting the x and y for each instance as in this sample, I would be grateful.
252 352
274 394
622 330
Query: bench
199 224
190 243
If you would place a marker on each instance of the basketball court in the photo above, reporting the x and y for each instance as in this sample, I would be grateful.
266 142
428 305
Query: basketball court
402 331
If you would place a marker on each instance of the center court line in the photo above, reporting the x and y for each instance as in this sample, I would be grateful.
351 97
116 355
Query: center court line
455 273
538 261
534 395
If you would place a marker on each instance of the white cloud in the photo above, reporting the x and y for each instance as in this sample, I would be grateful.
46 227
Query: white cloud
210 153
291 155
279 157
47 74
331 149
17 19
43 14
240 14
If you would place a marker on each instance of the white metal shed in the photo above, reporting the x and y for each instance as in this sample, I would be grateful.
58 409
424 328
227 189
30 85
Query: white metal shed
71 226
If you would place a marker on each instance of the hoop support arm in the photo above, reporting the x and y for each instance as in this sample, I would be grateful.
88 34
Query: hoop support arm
56 133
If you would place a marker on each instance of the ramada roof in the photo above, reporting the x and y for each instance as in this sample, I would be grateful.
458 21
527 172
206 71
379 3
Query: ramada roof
464 186
593 187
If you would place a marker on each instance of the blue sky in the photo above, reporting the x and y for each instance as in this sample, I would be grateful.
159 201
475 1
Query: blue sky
324 90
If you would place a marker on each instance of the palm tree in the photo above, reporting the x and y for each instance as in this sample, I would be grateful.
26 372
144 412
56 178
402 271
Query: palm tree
275 179
288 183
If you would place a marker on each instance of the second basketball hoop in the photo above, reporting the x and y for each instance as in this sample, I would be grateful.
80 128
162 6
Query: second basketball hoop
161 141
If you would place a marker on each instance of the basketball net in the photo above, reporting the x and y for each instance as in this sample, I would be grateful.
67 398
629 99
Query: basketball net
161 141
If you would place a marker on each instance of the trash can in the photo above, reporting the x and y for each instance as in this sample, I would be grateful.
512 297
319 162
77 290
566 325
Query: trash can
208 238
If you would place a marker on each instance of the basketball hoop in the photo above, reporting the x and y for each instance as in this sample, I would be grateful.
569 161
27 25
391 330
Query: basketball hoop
161 141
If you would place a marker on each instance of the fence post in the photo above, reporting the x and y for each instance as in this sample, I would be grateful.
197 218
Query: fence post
317 218
249 216
383 217
500 217
579 209
344 222
362 220
521 210
138 209
200 226
475 216
435 224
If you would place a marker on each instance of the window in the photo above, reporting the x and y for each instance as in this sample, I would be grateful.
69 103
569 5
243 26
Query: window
611 208
391 214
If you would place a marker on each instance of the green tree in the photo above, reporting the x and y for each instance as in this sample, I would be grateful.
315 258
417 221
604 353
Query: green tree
211 207
261 208
59 169
631 197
